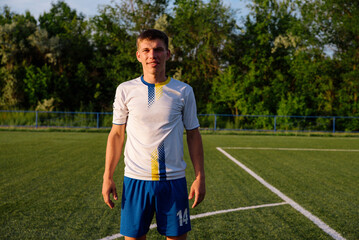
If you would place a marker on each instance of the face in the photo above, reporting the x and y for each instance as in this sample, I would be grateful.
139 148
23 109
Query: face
152 54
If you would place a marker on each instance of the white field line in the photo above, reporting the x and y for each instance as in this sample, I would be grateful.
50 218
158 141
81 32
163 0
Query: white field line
295 205
118 235
293 149
236 209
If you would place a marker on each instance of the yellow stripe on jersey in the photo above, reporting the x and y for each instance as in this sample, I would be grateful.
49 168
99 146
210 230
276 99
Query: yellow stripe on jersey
159 91
155 166
159 88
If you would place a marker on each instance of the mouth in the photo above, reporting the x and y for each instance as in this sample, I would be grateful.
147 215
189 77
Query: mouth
153 64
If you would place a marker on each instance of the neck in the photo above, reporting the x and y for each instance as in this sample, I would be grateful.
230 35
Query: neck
154 78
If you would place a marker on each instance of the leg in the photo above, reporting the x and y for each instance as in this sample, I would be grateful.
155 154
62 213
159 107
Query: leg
182 237
172 210
137 208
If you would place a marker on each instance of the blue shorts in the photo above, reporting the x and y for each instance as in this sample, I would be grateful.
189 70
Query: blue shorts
141 199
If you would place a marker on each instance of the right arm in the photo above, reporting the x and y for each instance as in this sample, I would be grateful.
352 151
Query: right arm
115 142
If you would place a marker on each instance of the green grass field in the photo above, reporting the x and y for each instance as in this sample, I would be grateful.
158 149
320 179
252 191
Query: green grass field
50 187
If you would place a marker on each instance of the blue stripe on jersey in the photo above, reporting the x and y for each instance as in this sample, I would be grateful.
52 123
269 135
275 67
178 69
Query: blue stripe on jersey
151 95
151 92
162 161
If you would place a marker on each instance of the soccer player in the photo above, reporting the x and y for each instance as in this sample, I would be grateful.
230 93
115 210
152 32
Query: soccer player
154 110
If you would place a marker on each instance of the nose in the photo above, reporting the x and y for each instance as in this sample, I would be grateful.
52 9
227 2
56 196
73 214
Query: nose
151 54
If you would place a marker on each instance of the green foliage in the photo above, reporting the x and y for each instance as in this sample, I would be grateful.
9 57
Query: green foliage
199 47
18 119
138 15
226 91
289 57
293 106
46 105
334 24
37 81
15 52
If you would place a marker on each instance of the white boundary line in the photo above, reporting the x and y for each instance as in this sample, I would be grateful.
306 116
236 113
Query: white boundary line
236 209
288 200
293 149
118 235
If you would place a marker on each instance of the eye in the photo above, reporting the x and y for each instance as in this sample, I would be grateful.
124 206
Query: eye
159 49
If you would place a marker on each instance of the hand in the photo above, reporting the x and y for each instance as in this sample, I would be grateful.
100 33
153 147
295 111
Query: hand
108 188
198 189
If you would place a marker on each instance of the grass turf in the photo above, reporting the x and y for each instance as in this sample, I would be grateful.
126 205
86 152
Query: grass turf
50 187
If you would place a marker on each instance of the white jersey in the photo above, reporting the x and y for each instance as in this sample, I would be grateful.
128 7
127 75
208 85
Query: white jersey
155 116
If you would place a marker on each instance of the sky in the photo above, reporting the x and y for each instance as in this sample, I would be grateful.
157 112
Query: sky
89 7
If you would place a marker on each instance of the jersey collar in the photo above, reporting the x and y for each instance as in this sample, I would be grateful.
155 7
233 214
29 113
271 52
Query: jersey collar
156 84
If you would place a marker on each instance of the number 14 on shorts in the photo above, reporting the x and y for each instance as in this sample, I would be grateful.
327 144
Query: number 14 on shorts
182 218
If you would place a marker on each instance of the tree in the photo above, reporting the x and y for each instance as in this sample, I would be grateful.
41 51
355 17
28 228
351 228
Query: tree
71 29
114 61
226 91
15 52
199 33
139 15
68 38
261 56
37 81
334 23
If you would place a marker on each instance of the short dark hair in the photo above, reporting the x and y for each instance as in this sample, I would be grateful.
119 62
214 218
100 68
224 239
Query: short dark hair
152 34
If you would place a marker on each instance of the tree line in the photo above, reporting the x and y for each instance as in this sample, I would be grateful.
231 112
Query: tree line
286 57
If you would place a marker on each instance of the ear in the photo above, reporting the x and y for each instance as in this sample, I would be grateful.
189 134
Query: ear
168 54
138 56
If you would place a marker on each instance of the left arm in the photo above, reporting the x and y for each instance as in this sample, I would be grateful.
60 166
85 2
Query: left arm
195 148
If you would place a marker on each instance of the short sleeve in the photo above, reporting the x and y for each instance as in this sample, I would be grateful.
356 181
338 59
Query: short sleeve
120 110
190 119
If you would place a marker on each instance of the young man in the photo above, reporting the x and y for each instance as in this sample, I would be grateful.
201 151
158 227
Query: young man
154 110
